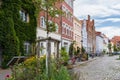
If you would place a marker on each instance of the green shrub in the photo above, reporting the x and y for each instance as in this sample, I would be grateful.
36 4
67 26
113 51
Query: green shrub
34 69
64 56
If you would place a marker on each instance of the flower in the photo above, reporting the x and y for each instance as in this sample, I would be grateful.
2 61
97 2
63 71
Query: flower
7 76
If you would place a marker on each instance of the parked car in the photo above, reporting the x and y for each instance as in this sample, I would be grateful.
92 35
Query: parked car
116 53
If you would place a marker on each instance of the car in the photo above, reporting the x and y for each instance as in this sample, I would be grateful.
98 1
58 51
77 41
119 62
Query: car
116 53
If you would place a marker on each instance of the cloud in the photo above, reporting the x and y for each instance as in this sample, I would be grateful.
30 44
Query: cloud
100 21
105 12
99 8
109 31
116 6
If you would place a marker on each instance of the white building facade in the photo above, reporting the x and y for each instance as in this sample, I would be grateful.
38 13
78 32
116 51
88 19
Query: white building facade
84 35
99 44
41 34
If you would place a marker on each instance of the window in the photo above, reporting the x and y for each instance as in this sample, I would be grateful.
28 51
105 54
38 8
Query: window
66 46
67 32
66 29
42 22
24 16
57 27
42 48
26 47
70 33
63 25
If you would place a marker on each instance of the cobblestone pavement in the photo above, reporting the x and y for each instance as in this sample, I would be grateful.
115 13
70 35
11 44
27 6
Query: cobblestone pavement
103 68
3 73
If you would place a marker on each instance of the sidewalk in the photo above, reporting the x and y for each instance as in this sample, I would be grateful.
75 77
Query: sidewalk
4 72
77 64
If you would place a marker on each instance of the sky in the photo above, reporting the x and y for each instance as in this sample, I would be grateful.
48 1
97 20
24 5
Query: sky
106 14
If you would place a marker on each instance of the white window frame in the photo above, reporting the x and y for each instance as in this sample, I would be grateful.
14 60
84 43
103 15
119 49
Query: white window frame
42 22
26 47
57 27
24 15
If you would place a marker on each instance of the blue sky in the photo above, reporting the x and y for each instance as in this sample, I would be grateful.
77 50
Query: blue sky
106 14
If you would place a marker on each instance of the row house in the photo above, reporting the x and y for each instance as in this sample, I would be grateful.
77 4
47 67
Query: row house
116 41
77 32
101 43
67 24
91 36
84 34
106 42
42 33
64 27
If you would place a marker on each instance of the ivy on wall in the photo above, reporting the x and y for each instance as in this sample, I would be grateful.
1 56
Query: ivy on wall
13 31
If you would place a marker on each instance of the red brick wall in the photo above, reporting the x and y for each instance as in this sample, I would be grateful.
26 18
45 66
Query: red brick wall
58 20
91 34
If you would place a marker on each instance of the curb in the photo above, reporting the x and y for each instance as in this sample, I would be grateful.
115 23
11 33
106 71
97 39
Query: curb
80 63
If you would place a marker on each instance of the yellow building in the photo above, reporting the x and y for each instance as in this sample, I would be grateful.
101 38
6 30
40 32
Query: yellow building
77 27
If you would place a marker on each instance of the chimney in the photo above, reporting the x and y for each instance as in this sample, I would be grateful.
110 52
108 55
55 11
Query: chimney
88 17
93 21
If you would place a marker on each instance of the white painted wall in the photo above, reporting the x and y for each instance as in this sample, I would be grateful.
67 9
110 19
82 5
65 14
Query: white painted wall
42 34
99 44
66 43
84 35
106 44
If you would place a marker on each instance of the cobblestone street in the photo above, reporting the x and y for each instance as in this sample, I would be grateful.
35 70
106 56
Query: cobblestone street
102 68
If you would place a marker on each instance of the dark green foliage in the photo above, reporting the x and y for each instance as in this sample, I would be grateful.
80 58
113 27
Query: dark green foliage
115 48
77 52
64 56
83 50
34 69
72 49
13 31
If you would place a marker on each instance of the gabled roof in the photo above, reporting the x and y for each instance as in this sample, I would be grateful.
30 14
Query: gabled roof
115 39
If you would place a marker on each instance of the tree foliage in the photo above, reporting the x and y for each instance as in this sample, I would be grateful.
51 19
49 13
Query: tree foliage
72 49
115 48
13 31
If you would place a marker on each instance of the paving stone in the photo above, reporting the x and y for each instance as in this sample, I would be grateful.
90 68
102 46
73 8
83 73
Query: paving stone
103 68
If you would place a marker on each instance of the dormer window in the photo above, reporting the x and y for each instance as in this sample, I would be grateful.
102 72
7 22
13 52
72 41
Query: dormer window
24 16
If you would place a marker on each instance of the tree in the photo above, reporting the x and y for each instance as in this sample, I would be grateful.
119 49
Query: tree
115 48
109 47
71 49
51 12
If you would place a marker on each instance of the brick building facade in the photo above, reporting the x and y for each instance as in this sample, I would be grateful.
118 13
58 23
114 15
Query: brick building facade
64 23
116 41
67 24
91 37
